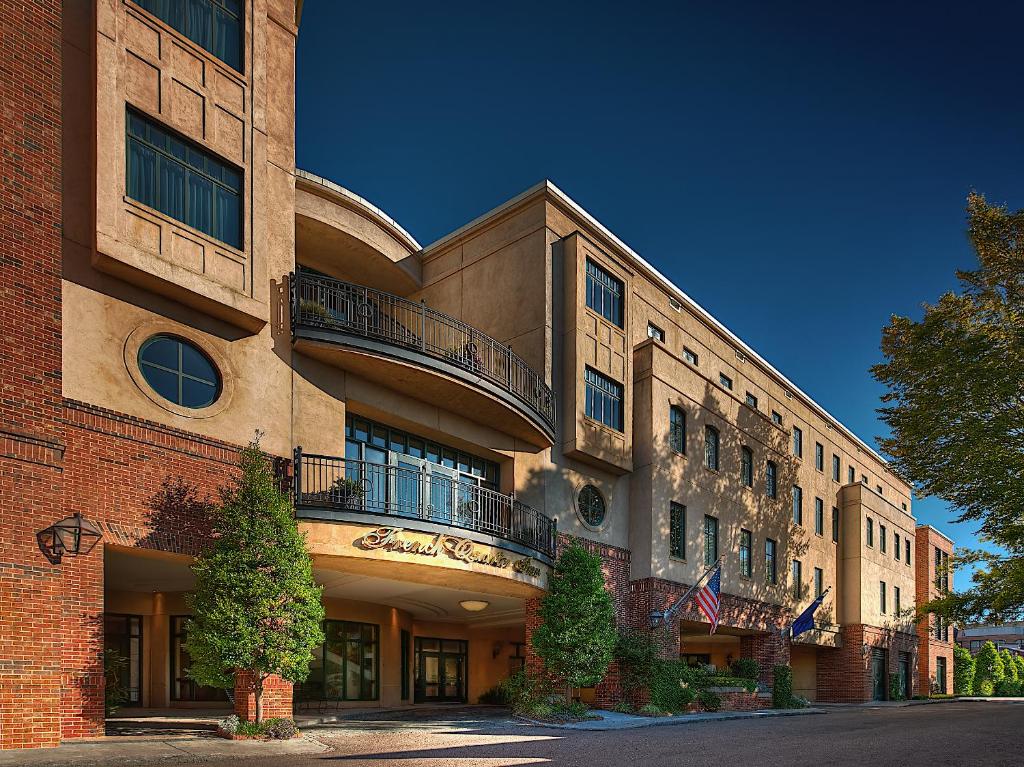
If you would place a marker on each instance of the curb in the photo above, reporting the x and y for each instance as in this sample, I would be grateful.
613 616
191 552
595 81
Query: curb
638 722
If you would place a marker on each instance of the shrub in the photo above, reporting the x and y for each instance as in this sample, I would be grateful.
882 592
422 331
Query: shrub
314 310
519 692
1009 666
895 688
674 684
280 729
1007 688
637 659
651 710
745 668
229 724
709 701
988 670
622 707
963 671
782 687
347 491
732 681
115 694
577 709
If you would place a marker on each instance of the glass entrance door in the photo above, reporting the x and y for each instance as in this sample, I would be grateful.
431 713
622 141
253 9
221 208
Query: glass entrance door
905 681
440 670
878 675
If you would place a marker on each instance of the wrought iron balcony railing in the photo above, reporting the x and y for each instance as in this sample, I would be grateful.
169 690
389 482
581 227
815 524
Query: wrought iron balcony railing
326 303
426 493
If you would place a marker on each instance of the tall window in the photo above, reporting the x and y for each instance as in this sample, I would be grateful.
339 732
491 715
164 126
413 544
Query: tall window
747 466
183 180
798 505
851 475
746 544
881 538
819 456
771 575
677 530
798 574
213 25
896 547
881 597
710 540
653 331
819 516
940 675
604 293
798 442
896 600
871 532
677 429
835 468
835 524
941 571
711 447
906 551
771 480
819 582
346 666
604 399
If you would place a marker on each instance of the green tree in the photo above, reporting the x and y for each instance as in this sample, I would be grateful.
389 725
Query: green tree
576 638
988 670
955 405
963 671
1019 660
1009 666
255 606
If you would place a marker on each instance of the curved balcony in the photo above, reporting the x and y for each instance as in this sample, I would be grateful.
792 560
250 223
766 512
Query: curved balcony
428 498
406 345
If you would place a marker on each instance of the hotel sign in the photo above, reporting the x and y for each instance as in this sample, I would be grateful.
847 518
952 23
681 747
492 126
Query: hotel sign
462 549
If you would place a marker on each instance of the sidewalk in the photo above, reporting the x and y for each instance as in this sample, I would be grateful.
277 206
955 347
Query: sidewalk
615 721
146 750
925 702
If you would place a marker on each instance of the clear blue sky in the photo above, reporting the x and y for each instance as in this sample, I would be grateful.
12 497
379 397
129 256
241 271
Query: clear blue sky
799 169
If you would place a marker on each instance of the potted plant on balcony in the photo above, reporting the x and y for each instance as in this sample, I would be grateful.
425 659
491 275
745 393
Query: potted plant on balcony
314 311
347 492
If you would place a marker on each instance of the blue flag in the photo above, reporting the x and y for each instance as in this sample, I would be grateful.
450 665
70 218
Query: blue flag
805 622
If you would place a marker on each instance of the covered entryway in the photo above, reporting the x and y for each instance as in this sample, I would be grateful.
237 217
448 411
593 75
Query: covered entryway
441 667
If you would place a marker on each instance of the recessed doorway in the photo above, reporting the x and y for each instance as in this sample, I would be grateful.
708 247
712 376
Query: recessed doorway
440 670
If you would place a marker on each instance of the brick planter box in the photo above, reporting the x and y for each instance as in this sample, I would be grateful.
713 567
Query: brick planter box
739 699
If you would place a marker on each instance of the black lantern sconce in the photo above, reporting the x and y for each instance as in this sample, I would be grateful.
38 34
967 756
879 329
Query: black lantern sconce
73 535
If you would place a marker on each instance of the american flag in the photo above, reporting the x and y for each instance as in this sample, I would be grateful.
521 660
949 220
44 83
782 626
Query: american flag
707 597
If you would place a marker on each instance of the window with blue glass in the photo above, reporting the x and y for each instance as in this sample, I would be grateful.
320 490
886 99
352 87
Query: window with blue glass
213 25
604 293
179 372
604 399
185 182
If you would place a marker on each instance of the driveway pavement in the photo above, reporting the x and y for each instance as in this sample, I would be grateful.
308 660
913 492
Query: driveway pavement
954 733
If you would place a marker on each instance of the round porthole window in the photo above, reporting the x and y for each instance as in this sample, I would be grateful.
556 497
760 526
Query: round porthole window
179 371
591 507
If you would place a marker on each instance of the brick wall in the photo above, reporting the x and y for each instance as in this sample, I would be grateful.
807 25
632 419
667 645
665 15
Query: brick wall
31 438
926 540
276 703
845 674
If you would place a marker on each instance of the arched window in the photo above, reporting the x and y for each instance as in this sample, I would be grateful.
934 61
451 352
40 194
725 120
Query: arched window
677 429
711 447
179 371
771 484
747 466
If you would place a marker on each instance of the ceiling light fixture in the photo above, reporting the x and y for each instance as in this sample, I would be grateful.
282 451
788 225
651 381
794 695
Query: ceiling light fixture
474 605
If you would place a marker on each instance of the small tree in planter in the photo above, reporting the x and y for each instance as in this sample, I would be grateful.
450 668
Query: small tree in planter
255 607
576 638
963 671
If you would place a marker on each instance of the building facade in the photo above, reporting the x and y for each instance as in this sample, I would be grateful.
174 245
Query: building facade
1007 636
447 416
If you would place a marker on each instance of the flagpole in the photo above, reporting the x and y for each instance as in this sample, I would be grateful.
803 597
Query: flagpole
664 615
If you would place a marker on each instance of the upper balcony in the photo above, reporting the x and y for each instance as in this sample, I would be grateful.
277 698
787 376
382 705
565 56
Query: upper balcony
431 356
425 497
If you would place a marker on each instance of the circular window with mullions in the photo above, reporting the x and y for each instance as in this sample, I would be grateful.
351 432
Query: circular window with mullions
179 371
590 506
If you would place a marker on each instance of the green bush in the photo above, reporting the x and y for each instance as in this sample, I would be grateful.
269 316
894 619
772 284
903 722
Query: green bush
1007 688
272 729
1009 666
709 701
115 694
674 685
637 658
750 685
782 687
988 670
622 707
745 668
314 310
963 671
895 688
651 710
519 692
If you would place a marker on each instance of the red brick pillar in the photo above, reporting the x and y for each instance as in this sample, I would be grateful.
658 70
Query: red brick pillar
534 665
82 678
277 697
769 650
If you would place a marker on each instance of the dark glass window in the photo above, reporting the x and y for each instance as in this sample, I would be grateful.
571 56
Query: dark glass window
179 372
881 597
747 466
213 25
591 505
653 331
835 468
835 524
771 482
798 505
881 538
746 544
771 575
851 475
896 548
710 540
690 356
347 665
798 442
871 532
184 181
751 401
819 516
604 399
183 686
940 676
896 600
776 418
819 585
798 575
677 429
677 530
122 634
906 550
819 456
711 447
725 381
604 293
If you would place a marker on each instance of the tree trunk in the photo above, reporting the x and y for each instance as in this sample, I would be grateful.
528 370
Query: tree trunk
258 690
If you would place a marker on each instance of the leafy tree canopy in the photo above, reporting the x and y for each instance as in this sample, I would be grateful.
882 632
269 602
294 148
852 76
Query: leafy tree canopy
955 405
255 606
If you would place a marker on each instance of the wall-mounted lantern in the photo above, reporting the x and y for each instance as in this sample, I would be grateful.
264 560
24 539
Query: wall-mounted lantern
73 535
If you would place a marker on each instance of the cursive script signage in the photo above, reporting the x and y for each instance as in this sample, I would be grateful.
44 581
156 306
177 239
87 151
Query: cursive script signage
462 549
